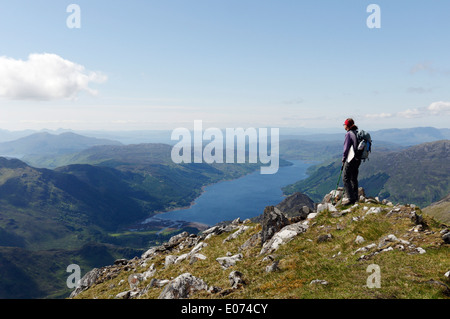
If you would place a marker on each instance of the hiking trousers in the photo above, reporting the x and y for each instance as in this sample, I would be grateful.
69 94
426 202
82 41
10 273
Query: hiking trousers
350 179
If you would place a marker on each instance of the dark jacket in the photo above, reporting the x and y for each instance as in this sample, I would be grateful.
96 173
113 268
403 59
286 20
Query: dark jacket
350 139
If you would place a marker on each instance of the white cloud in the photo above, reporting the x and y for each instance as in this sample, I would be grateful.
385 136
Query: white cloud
411 113
419 90
427 67
423 67
45 77
440 108
379 115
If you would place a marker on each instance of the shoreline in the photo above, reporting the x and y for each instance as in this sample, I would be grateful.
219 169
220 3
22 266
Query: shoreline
221 181
157 215
202 190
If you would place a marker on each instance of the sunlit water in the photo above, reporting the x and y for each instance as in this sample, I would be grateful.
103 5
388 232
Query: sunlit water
244 197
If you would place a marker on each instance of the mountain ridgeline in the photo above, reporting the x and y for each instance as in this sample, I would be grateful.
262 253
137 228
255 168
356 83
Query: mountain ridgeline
45 143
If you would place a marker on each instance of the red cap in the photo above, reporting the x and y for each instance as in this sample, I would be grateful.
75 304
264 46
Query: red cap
349 122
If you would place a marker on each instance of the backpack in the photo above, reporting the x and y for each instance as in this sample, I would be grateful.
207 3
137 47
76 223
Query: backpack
364 145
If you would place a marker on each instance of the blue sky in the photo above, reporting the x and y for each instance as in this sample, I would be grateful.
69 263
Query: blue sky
161 64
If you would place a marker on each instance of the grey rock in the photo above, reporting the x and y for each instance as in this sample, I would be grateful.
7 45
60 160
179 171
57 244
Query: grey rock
324 238
446 238
374 210
334 196
420 250
181 258
324 206
359 240
236 279
387 239
158 282
361 192
214 289
198 247
297 204
170 259
120 262
285 235
273 221
365 248
149 273
177 238
251 242
212 230
318 281
236 234
195 257
134 280
227 262
273 267
87 281
183 287
123 295
150 253
236 221
416 219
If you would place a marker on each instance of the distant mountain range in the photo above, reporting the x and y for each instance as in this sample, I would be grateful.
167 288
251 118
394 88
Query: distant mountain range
48 150
50 144
402 137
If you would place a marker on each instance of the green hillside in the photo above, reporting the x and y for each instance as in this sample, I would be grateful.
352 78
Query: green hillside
417 175
48 216
29 274
64 207
440 210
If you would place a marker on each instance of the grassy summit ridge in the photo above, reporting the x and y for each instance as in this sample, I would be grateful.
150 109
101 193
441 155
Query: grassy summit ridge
329 260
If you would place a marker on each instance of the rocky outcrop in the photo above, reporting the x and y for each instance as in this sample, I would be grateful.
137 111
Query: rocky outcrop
87 281
182 287
273 221
446 237
285 235
227 262
236 279
236 234
297 204
388 243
